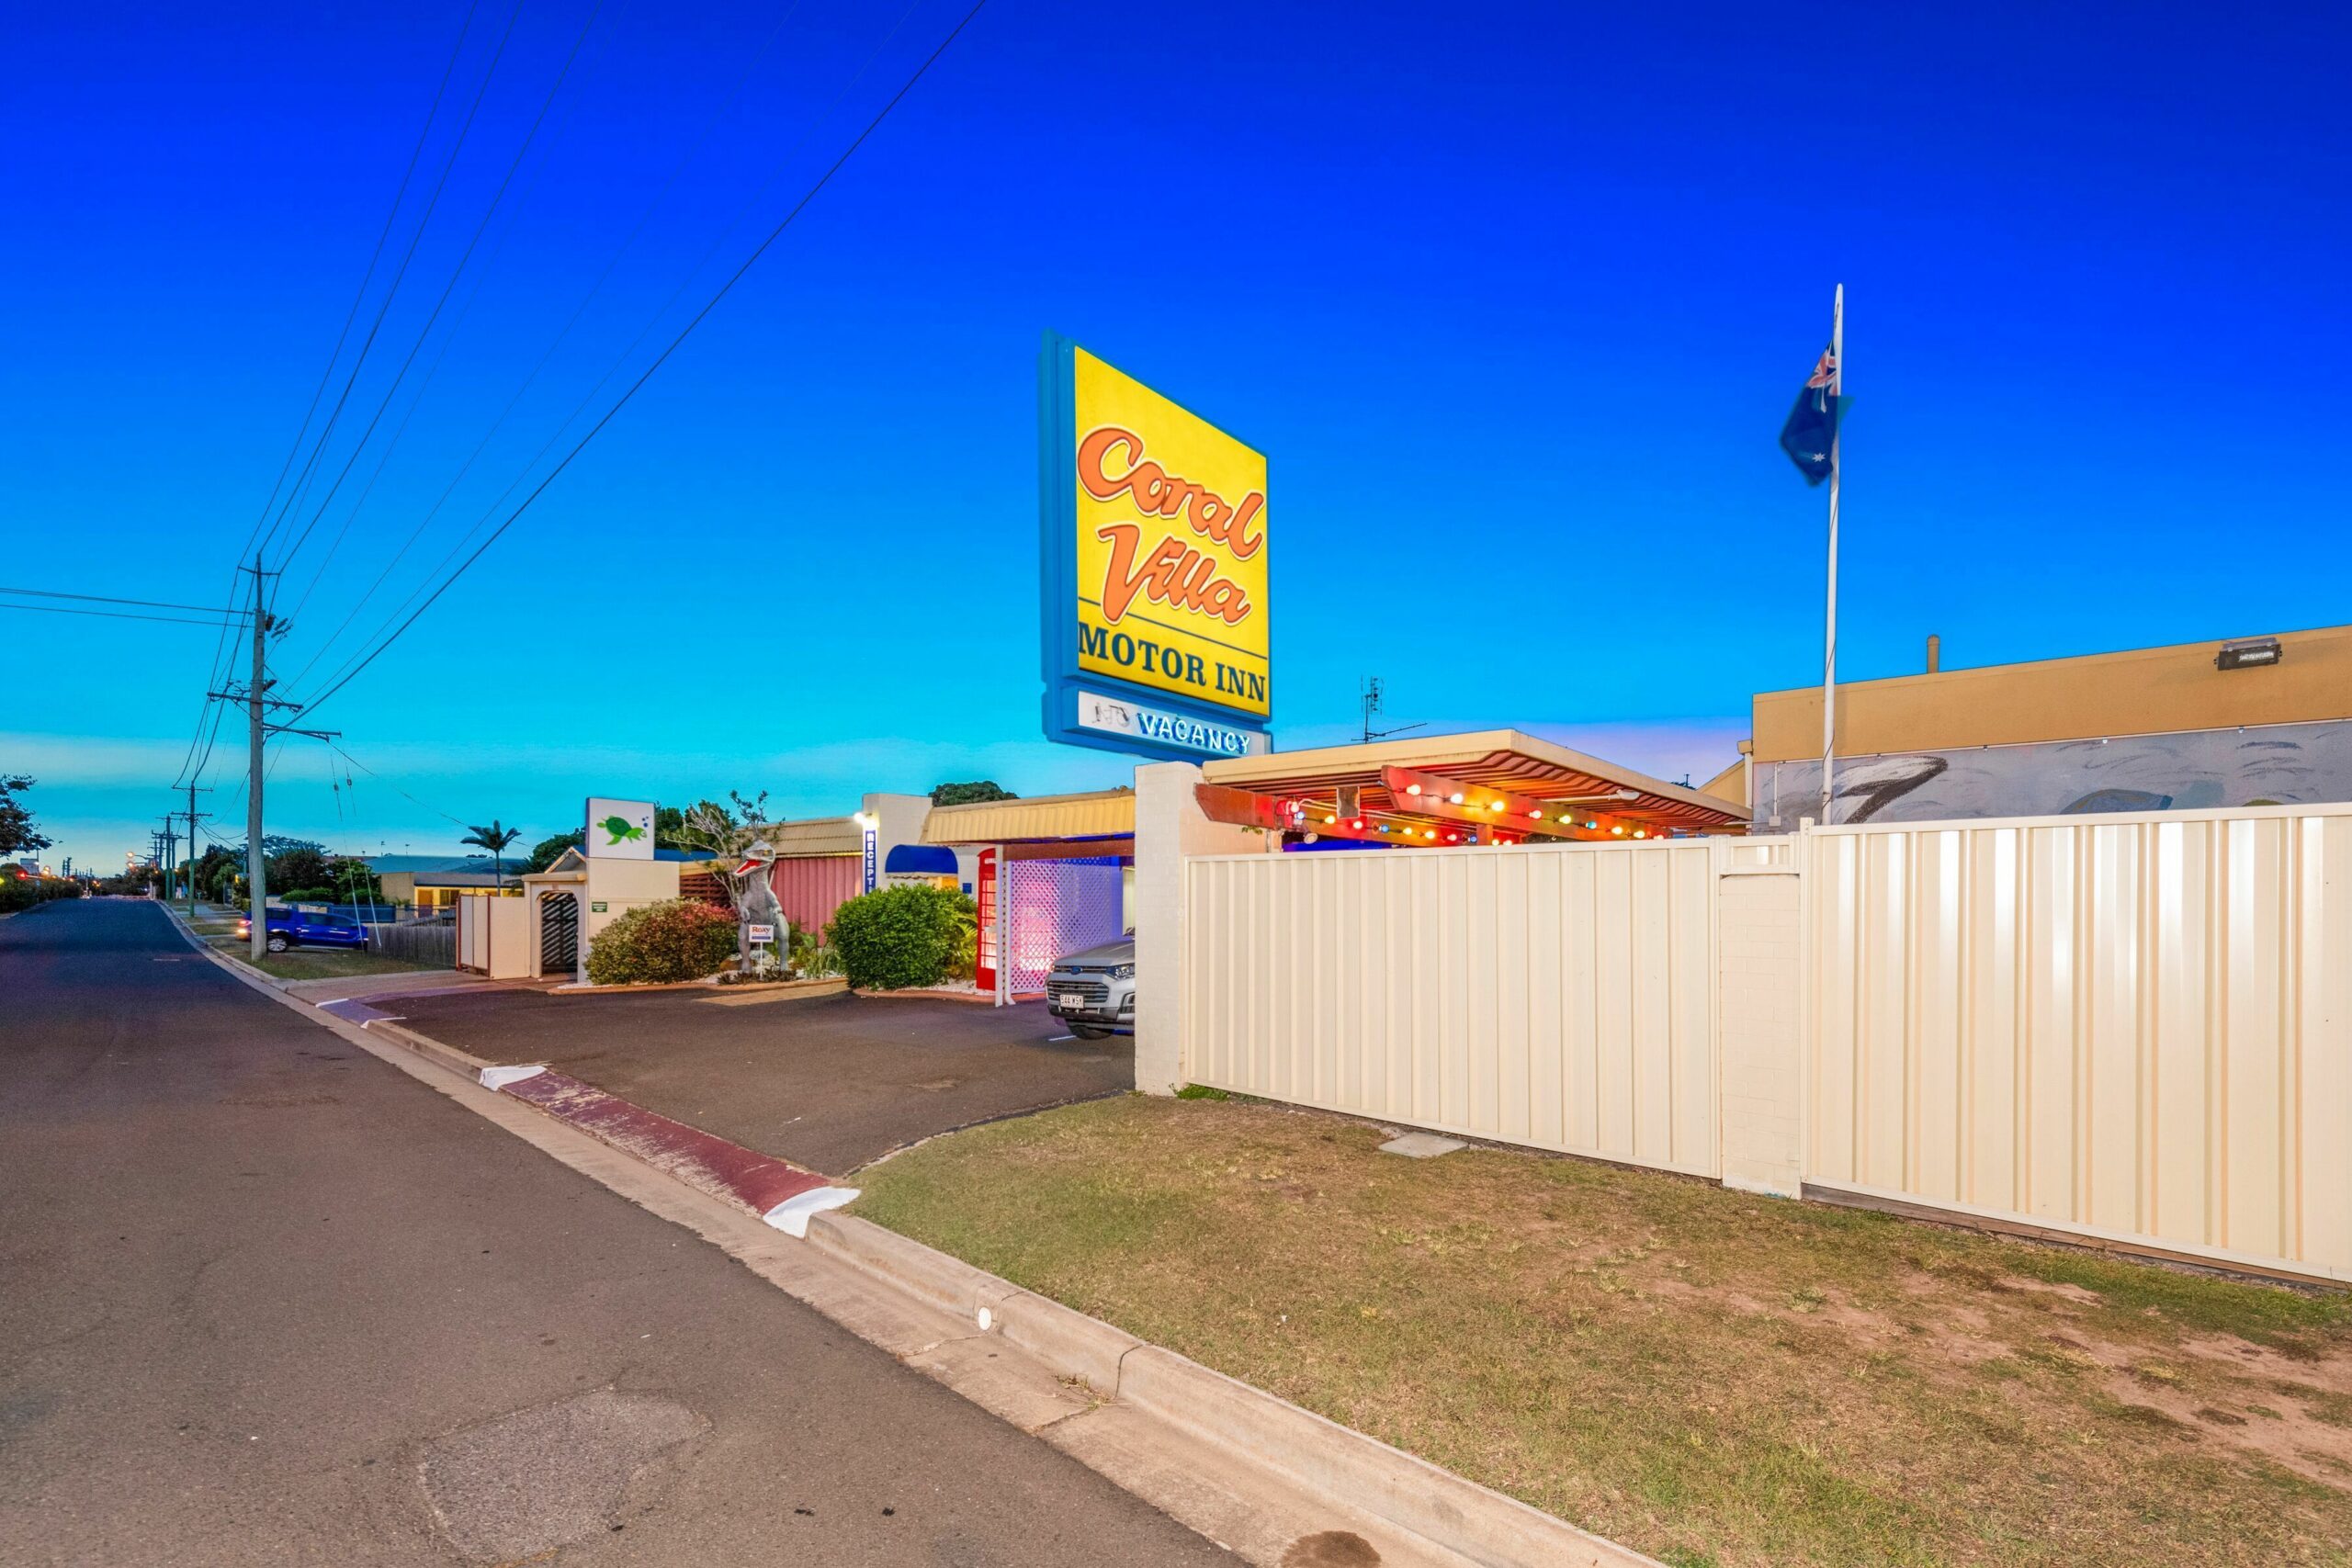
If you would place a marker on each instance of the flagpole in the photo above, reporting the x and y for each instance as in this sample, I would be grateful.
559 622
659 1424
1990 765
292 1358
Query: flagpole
1829 632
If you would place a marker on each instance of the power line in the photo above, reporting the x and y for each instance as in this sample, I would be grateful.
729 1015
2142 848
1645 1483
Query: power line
448 341
441 184
114 614
513 167
218 667
683 332
644 219
108 599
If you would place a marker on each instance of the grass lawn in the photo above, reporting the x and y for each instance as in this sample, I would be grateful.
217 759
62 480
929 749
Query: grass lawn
311 963
1711 1378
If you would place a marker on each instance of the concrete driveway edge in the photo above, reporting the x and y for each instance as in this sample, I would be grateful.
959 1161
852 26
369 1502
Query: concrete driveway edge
1245 1425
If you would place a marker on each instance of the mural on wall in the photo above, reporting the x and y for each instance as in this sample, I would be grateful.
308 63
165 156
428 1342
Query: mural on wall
2284 764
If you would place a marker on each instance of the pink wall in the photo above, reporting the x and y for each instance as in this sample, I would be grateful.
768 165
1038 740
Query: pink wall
811 889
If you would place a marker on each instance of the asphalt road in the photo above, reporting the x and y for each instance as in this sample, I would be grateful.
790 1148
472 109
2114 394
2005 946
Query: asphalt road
831 1083
264 1298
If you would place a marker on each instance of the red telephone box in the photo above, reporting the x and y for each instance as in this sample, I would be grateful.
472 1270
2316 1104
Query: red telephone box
990 941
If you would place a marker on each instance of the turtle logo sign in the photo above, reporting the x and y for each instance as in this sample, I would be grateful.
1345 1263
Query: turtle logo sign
619 830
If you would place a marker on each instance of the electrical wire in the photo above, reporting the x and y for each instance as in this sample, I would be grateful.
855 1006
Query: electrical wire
513 167
108 599
400 197
448 341
396 789
724 289
110 615
441 184
563 335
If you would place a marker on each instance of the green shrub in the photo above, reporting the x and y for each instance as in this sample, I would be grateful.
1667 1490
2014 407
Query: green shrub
23 893
901 936
811 958
684 939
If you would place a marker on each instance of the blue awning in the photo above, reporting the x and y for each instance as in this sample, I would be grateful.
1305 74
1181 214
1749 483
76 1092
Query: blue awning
921 859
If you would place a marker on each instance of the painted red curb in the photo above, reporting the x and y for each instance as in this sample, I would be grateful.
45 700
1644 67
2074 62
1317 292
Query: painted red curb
728 1171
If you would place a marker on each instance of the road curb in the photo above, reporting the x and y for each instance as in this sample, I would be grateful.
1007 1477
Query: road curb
1422 1499
1455 1519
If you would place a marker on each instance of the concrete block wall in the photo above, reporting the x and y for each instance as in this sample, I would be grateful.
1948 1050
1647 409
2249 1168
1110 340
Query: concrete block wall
1759 969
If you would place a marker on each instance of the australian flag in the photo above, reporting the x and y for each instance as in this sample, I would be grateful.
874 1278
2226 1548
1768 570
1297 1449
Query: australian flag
1812 428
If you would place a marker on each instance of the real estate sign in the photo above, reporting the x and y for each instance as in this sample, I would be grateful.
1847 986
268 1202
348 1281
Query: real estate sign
1154 543
619 830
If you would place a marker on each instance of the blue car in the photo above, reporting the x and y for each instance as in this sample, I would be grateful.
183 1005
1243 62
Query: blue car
297 928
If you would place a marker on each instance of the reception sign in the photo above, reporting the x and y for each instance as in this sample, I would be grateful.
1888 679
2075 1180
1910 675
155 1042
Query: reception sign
1154 546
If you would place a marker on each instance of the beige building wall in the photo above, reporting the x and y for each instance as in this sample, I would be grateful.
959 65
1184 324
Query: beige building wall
2143 691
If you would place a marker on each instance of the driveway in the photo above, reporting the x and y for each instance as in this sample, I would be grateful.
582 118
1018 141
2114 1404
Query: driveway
831 1083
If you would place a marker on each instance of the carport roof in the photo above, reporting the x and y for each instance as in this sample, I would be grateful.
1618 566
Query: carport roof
1102 813
1498 758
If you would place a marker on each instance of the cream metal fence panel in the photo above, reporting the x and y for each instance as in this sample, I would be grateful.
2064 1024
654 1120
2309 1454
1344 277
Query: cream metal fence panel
2134 1027
1560 997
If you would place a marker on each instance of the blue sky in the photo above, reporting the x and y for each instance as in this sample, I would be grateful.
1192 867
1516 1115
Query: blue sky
1514 297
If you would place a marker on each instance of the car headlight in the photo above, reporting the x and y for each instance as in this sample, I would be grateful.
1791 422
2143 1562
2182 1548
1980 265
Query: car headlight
1124 972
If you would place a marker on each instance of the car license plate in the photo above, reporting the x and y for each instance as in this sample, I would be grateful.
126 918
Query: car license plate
1073 999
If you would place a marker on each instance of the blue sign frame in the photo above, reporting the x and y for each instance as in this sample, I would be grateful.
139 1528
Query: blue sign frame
1058 592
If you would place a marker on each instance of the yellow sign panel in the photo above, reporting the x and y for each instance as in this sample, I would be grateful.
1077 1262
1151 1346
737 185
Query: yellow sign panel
1171 546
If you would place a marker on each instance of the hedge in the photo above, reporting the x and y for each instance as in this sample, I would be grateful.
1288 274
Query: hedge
658 943
901 936
23 893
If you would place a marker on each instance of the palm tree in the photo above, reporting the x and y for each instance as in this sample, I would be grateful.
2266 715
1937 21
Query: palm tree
494 839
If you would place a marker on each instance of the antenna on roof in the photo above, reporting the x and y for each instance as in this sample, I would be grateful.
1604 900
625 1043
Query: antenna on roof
1370 697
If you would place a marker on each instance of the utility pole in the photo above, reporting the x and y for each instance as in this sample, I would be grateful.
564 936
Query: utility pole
256 694
192 856
170 842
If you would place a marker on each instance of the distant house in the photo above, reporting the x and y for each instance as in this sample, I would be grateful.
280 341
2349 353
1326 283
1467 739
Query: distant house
434 881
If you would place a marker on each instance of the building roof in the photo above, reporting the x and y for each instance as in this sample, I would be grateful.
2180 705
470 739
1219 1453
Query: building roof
2141 690
814 836
1100 814
1504 760
382 863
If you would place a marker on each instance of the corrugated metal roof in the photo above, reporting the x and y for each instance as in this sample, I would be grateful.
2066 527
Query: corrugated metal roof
1500 759
815 836
1103 814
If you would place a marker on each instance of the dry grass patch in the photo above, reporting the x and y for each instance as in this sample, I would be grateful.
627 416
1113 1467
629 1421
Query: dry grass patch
1711 1378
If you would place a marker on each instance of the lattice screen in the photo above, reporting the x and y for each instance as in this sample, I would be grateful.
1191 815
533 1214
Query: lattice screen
1059 907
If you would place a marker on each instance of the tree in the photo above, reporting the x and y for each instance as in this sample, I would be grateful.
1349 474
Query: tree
967 794
543 853
495 837
354 880
17 835
729 835
302 867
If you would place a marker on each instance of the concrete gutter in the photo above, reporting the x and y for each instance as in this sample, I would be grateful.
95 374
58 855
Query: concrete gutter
1475 1523
1277 1484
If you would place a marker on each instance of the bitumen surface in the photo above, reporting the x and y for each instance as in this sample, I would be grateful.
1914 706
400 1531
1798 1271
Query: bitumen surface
269 1299
831 1083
